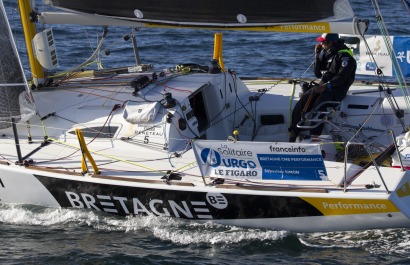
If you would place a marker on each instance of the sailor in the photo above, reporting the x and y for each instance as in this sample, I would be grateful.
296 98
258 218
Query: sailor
336 66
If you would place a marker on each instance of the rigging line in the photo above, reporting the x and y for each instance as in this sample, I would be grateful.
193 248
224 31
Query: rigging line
127 77
372 59
159 147
88 39
158 83
169 161
98 88
309 65
66 77
218 114
33 125
114 92
43 125
56 159
383 84
44 152
391 51
89 60
166 140
235 104
118 39
236 94
89 128
71 71
71 106
155 84
188 147
89 93
106 163
174 88
225 97
186 166
364 123
96 84
115 107
254 122
307 69
112 157
406 5
7 160
187 123
399 74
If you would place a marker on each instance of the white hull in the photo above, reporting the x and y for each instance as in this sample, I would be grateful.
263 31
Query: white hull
140 132
155 143
279 205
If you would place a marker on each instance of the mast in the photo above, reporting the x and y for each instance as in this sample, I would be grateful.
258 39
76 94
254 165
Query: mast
29 32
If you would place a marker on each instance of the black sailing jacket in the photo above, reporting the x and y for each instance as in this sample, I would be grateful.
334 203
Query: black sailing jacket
340 66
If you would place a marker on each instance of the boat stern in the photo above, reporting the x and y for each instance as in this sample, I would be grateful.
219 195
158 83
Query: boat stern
401 195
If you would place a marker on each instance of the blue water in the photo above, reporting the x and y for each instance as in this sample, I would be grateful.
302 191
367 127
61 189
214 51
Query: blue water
250 54
36 235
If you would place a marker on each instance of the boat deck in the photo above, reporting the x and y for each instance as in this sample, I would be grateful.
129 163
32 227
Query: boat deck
121 158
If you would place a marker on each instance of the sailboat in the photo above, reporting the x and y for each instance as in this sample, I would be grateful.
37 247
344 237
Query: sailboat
196 141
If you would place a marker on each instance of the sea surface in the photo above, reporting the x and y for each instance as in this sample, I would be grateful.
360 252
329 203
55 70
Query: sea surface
37 235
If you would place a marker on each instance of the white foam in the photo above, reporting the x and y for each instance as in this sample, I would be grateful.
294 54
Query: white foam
213 233
186 232
377 241
33 215
178 231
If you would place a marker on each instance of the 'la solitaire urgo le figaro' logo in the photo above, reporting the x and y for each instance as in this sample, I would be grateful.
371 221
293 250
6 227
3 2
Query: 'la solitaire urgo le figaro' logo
238 165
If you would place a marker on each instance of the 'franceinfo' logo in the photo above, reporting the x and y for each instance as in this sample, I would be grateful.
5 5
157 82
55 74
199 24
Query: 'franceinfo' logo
213 158
290 149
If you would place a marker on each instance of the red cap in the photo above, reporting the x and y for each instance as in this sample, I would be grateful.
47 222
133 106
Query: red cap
328 37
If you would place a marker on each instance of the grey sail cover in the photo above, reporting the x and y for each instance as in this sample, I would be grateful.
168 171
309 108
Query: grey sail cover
215 13
15 98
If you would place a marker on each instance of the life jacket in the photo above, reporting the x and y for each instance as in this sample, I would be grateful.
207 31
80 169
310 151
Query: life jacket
349 51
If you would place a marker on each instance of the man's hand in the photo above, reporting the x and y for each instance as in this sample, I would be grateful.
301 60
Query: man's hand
318 48
319 89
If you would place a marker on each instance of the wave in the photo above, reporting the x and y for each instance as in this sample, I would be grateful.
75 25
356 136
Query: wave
178 231
376 241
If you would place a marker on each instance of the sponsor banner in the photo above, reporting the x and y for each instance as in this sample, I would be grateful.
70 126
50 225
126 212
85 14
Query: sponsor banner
401 46
308 27
253 160
378 49
311 27
334 206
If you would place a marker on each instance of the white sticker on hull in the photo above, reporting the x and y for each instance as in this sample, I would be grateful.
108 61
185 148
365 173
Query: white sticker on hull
217 200
184 209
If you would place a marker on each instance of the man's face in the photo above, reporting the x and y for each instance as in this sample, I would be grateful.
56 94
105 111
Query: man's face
327 44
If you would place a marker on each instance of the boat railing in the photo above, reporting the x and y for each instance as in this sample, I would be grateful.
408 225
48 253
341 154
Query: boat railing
323 113
375 161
